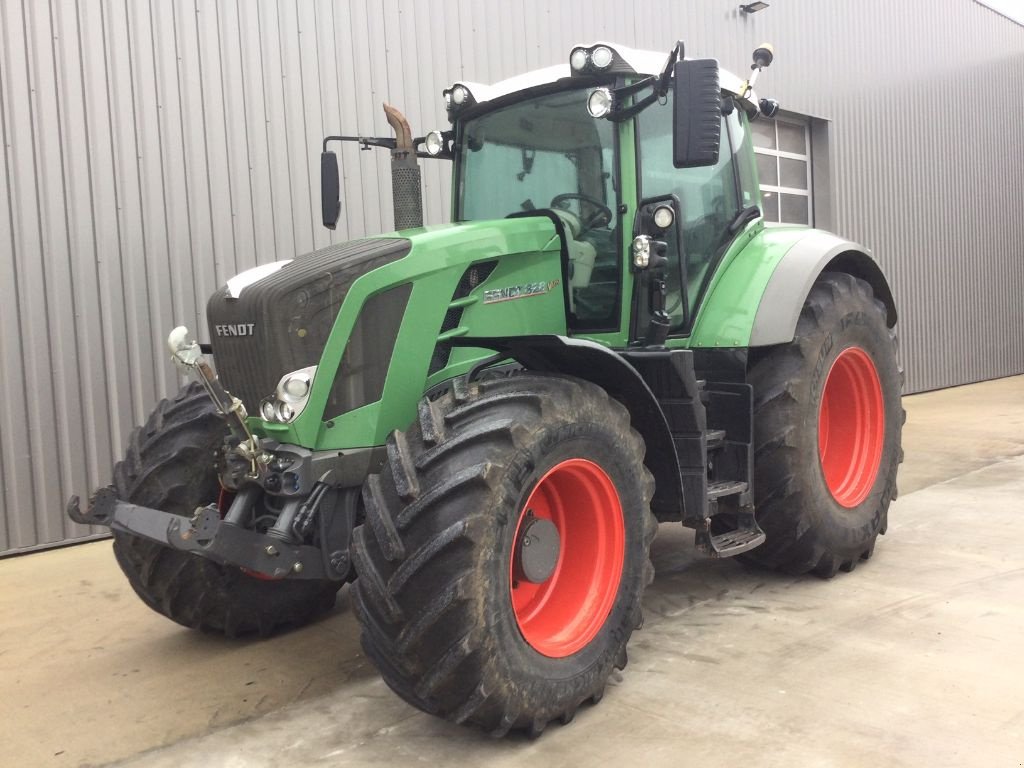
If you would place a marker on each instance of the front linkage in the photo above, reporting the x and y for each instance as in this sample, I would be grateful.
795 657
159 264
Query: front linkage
326 514
222 540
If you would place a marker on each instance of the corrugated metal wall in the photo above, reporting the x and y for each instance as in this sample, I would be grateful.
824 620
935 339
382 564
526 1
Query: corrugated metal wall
153 149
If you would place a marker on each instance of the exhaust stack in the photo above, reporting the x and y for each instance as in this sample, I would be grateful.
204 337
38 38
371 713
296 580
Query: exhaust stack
406 191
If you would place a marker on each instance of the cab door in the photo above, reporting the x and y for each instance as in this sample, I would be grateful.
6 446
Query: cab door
706 201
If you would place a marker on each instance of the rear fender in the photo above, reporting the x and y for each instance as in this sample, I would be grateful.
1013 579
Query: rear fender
791 282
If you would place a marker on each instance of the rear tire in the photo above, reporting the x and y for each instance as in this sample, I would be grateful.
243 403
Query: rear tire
171 466
445 616
823 495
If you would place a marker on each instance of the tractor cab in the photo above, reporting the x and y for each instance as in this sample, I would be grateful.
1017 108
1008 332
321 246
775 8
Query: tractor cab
586 144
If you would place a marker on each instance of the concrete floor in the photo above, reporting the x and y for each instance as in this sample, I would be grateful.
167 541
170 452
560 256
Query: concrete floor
916 658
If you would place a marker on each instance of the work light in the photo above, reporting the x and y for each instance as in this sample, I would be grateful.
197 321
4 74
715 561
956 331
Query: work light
599 102
434 143
601 56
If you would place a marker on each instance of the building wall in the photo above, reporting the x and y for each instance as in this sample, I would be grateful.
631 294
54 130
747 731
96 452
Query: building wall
153 149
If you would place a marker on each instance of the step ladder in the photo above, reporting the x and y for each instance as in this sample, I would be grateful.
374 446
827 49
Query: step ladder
712 429
728 462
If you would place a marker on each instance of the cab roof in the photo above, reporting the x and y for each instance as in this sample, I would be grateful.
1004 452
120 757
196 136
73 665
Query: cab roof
639 61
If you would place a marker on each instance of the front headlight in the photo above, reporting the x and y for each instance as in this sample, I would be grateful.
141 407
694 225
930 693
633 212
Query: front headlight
295 386
285 412
268 411
290 397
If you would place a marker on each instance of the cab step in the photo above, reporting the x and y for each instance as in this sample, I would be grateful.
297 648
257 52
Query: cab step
722 488
733 543
715 438
743 538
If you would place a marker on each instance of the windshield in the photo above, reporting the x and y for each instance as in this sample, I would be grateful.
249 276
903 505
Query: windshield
548 152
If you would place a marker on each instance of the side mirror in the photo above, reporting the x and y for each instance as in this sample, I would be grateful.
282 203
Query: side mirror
330 189
697 113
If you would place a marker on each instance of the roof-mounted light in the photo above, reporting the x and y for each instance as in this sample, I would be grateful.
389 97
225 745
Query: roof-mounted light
457 98
601 57
578 59
597 59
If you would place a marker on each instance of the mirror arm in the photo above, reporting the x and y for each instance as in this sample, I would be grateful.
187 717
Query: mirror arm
659 85
676 54
366 141
621 115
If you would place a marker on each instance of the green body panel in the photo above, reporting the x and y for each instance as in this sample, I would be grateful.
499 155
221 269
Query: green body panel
529 252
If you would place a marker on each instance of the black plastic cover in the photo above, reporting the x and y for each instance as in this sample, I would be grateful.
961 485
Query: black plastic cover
697 113
364 366
288 315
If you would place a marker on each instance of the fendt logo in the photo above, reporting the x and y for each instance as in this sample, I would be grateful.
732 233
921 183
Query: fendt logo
237 329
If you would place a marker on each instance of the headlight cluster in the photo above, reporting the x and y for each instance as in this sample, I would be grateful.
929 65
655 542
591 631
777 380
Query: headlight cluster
290 397
591 60
641 250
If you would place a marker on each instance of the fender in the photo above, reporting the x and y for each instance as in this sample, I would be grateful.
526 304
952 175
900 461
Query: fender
790 283
593 362
756 294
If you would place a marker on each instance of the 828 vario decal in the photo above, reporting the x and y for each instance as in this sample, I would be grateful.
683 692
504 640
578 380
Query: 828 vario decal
495 295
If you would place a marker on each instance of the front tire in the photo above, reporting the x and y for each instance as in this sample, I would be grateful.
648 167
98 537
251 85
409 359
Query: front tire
460 619
827 423
171 466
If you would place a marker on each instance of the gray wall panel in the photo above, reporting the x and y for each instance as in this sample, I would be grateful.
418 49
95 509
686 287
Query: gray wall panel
153 148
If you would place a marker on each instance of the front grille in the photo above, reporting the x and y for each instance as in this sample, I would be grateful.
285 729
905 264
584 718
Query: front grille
291 313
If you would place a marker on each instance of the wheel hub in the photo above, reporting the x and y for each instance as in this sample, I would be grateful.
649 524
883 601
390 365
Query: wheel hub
538 548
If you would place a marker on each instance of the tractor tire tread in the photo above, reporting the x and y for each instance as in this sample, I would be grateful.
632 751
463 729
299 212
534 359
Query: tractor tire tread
780 386
417 627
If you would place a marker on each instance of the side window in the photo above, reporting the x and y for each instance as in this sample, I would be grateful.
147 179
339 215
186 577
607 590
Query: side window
708 198
742 138
783 152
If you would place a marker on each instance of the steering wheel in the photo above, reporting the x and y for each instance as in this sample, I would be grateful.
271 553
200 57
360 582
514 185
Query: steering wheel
602 215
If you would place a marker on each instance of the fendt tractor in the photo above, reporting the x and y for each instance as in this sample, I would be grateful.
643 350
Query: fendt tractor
480 425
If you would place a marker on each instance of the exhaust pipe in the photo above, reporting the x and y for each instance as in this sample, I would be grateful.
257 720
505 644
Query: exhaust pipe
406 191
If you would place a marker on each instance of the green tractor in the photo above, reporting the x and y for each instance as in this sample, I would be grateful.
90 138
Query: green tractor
481 425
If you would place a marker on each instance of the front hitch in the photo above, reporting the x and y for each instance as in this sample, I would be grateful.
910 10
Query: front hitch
222 541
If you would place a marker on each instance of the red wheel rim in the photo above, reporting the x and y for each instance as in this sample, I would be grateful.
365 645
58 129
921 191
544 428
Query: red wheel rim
562 614
851 427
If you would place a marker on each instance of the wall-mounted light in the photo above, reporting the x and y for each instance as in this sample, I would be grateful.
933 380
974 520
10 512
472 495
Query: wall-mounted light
753 7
